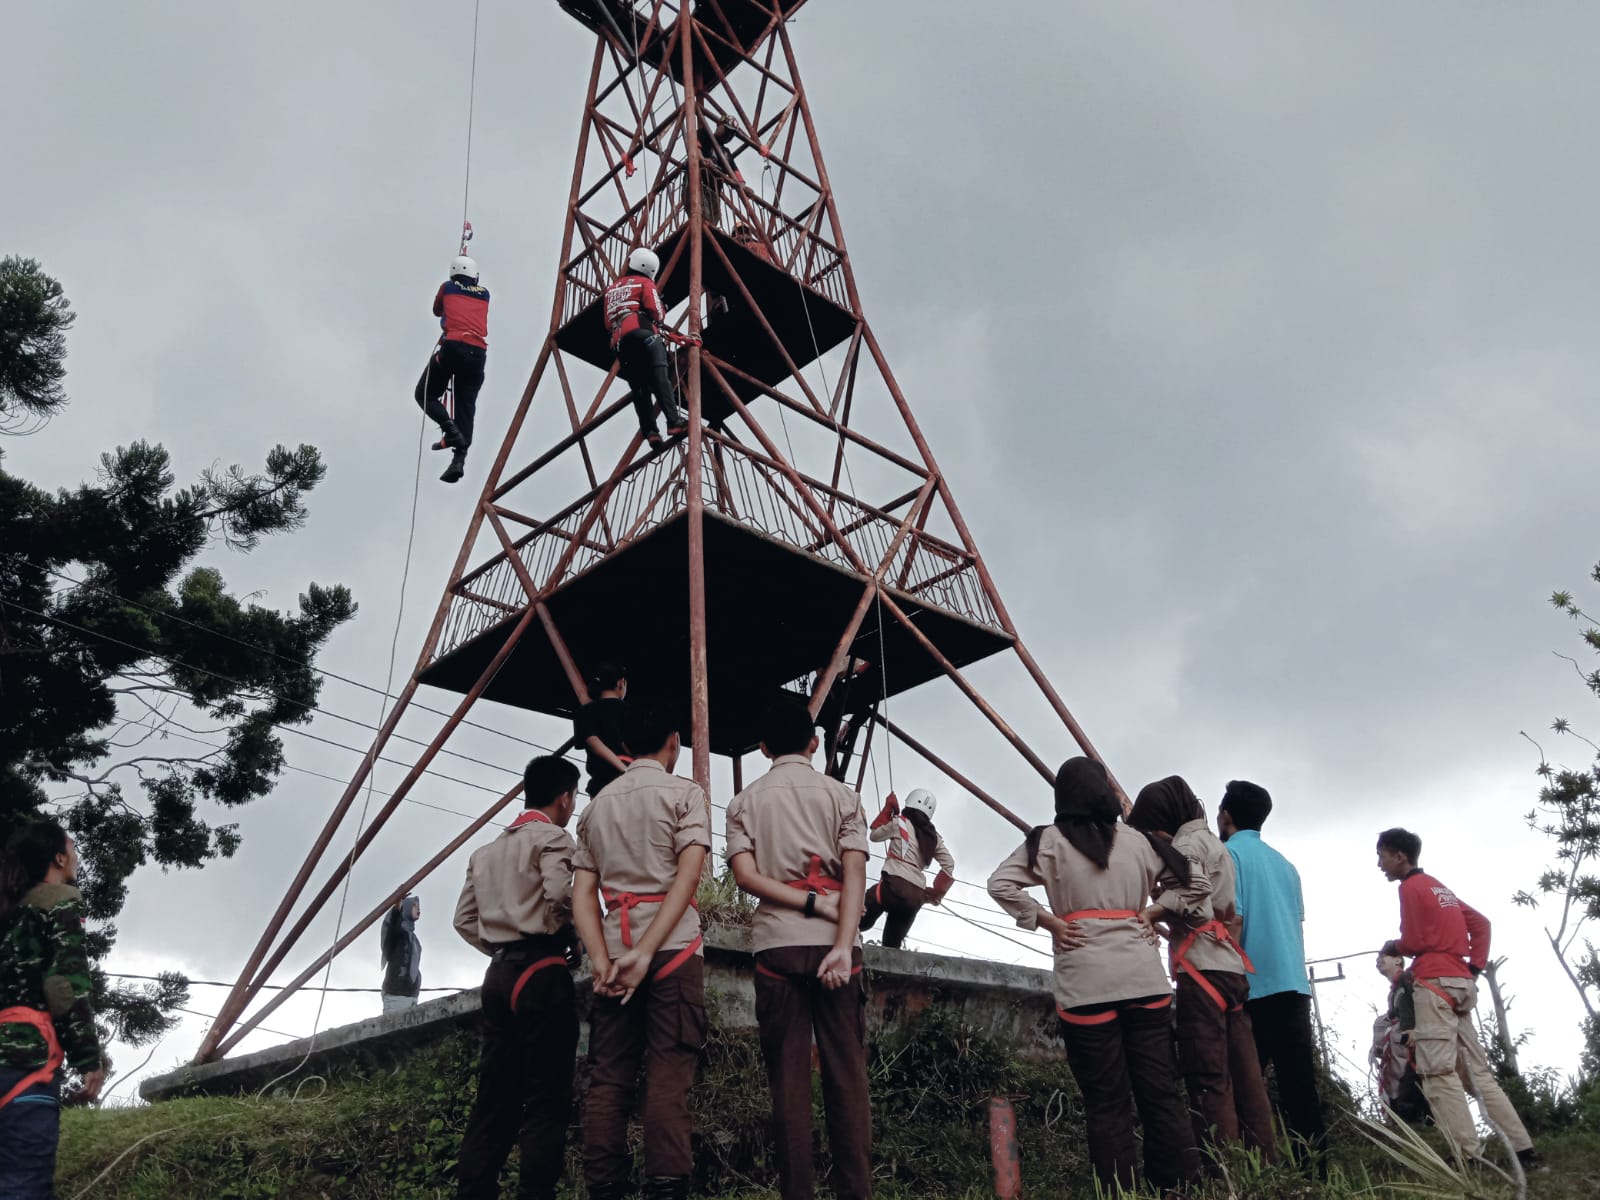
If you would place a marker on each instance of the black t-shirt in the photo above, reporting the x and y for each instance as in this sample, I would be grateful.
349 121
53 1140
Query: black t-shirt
606 719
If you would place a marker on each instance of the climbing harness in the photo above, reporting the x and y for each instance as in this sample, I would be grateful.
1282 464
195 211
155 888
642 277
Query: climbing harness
1180 961
40 1020
626 902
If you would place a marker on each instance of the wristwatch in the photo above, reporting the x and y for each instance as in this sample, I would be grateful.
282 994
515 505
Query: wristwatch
811 904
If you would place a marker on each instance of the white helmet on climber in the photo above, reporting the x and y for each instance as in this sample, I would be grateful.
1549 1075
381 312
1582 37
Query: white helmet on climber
643 261
922 800
462 265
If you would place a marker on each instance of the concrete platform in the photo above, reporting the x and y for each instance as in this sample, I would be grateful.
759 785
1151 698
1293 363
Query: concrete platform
1009 1004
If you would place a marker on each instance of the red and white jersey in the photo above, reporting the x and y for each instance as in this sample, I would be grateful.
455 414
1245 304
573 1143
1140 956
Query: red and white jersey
632 302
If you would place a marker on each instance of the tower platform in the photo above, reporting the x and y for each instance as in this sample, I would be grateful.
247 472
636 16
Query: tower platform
772 617
735 29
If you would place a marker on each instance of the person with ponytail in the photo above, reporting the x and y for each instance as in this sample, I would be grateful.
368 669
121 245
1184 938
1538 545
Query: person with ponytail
1216 1046
902 888
45 1019
1110 990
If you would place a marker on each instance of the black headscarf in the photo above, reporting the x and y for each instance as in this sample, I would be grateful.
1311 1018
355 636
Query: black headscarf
1164 807
1086 811
927 835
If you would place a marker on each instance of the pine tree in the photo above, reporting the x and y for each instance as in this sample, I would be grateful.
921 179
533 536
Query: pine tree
34 318
136 692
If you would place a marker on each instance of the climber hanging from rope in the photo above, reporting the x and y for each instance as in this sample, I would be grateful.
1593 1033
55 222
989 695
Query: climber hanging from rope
462 306
634 315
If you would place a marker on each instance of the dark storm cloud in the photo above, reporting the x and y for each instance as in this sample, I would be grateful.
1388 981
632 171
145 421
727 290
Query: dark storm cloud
1257 342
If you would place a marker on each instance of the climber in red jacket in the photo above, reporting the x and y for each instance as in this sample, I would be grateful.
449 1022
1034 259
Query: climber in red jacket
633 314
462 306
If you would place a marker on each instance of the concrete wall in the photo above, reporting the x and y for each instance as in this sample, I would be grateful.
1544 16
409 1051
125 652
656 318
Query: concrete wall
1009 1004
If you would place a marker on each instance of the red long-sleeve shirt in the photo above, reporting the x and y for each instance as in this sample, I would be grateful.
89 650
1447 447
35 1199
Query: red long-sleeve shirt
632 302
1441 932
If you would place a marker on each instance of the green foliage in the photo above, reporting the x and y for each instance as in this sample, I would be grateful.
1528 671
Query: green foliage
34 318
394 1132
1568 813
137 689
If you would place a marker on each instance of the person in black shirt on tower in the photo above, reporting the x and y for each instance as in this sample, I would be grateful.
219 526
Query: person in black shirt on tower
600 727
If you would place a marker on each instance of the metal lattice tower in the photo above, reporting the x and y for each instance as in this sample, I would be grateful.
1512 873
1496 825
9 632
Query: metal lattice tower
782 533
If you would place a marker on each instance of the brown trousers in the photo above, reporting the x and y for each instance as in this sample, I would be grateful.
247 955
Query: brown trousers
1217 1055
661 1029
791 1007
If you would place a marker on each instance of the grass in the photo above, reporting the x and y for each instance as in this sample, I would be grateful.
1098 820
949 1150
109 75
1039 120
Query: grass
393 1134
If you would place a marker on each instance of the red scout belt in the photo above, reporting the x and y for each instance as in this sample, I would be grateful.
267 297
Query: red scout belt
1102 1018
22 1015
556 960
815 880
1180 961
626 902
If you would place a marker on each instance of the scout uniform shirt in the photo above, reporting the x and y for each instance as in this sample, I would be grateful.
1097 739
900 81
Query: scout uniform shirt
631 835
518 886
1210 895
789 818
1119 961
904 856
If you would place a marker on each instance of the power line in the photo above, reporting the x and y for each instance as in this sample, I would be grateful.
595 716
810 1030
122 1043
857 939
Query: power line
268 986
267 650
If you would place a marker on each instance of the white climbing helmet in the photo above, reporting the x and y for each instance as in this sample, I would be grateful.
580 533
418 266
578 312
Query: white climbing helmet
462 265
643 261
922 800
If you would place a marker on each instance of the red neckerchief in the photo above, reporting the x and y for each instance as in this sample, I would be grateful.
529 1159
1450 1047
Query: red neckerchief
533 814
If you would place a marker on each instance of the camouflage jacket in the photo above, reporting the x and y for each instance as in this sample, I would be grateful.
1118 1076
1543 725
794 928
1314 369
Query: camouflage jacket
44 964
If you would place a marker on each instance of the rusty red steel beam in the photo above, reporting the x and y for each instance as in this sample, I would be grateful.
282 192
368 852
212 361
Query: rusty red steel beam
699 661
365 839
972 693
954 774
766 327
366 922
841 651
557 642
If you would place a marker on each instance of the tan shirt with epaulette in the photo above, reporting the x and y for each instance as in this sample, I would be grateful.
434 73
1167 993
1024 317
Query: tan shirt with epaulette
1120 959
1210 894
631 835
518 886
786 817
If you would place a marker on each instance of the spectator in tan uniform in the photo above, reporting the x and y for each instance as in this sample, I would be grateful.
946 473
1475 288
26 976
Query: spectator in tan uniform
1216 1048
641 845
516 906
1111 992
902 887
797 841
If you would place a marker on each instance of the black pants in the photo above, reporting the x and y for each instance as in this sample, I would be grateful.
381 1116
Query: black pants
524 1075
1121 1063
459 363
642 359
662 1029
792 1007
1285 1042
902 900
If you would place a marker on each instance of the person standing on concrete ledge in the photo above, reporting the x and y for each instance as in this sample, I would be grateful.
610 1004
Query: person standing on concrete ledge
642 843
516 906
402 956
797 841
1110 989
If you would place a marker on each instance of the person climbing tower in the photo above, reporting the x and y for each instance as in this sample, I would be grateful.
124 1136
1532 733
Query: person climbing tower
633 314
462 306
902 889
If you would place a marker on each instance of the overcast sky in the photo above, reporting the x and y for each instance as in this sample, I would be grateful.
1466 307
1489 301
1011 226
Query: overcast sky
1257 342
